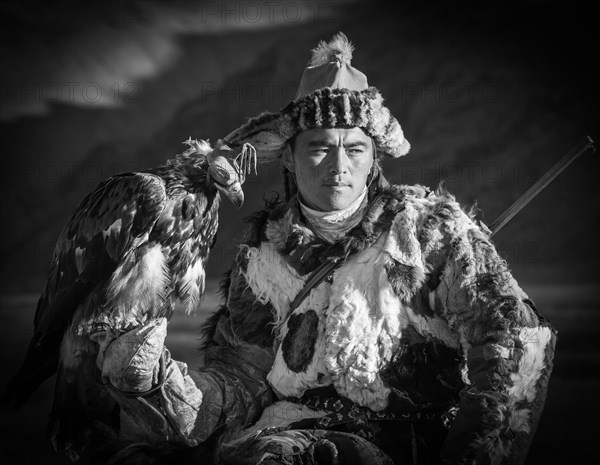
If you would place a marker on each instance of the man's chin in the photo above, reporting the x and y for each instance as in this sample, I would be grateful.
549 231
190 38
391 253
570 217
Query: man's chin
331 198
337 204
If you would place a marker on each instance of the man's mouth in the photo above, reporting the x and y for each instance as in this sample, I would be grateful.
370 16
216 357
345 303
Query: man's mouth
335 183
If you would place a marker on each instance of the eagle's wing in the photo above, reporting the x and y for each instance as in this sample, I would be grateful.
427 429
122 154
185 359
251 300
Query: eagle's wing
187 232
108 223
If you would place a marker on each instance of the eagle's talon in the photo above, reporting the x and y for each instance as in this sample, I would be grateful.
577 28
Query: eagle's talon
244 161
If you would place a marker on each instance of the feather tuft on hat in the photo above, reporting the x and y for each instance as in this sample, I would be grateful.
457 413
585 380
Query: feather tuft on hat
339 49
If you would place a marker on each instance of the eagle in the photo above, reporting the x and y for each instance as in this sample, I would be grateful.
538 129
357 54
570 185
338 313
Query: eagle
134 250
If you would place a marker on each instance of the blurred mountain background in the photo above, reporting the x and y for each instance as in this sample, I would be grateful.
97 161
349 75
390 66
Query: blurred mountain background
490 95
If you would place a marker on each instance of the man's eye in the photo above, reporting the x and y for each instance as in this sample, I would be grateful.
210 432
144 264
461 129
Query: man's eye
354 151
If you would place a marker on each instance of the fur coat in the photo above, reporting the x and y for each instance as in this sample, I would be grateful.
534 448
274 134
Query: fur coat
422 313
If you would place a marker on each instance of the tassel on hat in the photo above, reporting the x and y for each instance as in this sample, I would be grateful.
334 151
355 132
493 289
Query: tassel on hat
338 49
332 93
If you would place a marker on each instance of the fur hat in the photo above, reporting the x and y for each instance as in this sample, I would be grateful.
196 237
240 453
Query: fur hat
332 94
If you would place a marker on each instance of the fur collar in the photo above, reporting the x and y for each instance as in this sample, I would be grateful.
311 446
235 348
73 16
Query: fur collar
288 231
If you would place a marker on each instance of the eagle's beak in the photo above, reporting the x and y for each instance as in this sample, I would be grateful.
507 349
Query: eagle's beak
233 192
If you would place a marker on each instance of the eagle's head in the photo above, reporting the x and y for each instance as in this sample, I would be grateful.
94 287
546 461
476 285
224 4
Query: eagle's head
227 169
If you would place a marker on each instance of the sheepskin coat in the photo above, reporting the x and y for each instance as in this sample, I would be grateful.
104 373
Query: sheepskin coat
422 313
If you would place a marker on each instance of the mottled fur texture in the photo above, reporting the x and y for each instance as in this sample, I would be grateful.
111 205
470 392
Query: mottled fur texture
325 108
434 280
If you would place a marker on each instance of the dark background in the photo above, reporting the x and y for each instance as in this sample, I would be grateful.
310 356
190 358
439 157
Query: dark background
490 95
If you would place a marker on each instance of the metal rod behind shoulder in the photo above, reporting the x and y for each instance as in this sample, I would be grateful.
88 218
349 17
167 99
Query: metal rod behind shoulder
583 146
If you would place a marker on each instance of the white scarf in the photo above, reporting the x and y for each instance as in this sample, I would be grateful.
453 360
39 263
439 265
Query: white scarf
334 225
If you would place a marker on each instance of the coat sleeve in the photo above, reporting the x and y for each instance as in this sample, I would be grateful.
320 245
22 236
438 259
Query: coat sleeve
508 349
230 391
239 355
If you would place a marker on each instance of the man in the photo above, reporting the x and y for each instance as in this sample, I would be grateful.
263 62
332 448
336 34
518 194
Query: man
364 323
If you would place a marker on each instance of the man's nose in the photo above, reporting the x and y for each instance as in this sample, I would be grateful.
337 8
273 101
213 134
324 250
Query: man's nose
339 162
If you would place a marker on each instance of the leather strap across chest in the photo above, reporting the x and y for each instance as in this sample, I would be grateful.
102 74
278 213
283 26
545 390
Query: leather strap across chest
324 271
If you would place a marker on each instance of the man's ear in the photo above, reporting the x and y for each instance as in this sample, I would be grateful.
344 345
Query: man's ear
288 157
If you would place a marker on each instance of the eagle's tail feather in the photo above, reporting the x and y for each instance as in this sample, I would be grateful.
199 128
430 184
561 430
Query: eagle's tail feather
40 363
81 406
68 417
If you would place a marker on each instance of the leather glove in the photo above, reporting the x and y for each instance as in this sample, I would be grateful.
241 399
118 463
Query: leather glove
157 396
131 361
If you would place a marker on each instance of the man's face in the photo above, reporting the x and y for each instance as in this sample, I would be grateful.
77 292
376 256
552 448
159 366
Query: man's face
331 166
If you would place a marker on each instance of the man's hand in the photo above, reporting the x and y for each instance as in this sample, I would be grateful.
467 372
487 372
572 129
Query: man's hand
130 362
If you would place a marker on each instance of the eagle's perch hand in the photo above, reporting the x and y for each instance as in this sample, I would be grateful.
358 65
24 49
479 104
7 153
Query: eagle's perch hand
130 362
